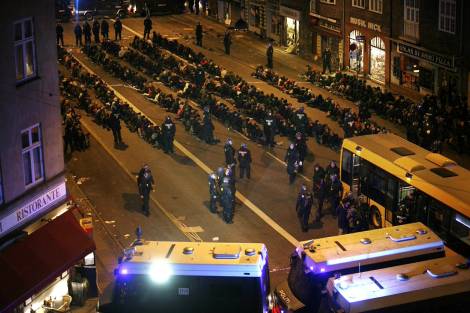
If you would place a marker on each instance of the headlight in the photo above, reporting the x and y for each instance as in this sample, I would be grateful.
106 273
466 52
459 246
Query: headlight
160 272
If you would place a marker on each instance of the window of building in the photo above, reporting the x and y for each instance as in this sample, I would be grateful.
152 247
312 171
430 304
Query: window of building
447 14
411 19
376 6
25 54
359 3
313 6
33 164
328 1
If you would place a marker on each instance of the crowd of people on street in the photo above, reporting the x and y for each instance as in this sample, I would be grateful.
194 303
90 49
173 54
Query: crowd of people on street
430 123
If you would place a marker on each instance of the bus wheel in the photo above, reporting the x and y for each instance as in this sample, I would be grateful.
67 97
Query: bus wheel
375 217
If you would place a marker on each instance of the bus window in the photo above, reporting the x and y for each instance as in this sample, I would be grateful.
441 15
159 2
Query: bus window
346 167
439 218
460 228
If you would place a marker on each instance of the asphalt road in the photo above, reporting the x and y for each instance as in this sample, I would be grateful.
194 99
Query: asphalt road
266 213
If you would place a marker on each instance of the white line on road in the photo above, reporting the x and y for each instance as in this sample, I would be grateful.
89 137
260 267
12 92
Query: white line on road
268 220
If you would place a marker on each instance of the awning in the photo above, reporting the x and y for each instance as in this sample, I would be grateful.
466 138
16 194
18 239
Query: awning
28 266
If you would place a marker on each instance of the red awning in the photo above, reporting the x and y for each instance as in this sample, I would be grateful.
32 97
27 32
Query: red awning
31 264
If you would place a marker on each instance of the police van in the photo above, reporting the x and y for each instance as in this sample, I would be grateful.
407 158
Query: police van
315 261
437 285
91 8
198 277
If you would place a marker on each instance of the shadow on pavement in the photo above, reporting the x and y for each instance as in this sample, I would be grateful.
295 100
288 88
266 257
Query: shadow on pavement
132 201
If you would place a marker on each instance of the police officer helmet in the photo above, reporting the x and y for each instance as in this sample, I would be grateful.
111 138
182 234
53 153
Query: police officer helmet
301 109
220 171
229 141
298 135
213 176
291 146
168 118
303 188
243 145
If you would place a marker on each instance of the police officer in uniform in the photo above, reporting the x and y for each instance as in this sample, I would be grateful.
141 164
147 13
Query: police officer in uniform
117 29
269 55
227 198
78 35
227 41
115 125
213 192
96 30
59 31
145 183
168 131
304 207
105 29
87 33
229 152
300 121
269 127
335 193
292 160
244 161
199 34
147 27
207 128
301 146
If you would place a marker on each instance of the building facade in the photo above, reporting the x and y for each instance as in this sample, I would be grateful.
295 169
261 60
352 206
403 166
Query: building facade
32 181
428 45
325 23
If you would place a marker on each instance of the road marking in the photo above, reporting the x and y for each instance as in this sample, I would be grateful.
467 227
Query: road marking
268 220
170 216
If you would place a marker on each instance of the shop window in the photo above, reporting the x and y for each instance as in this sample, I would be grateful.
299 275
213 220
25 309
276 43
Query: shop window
328 1
377 59
411 19
32 155
447 14
376 6
255 16
275 25
359 3
25 54
356 48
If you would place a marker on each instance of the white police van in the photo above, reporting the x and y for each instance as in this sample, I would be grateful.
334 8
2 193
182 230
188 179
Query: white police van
197 277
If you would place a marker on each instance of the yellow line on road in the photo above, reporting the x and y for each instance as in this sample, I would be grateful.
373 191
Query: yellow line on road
205 168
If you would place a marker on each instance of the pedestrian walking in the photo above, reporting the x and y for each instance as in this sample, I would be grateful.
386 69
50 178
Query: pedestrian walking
115 125
96 30
199 34
326 60
145 184
229 152
292 160
214 191
117 29
59 31
147 27
244 161
168 131
78 35
227 199
87 33
269 128
227 41
105 29
303 207
269 55
335 193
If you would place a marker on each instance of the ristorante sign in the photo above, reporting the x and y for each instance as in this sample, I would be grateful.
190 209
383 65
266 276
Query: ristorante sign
440 60
39 204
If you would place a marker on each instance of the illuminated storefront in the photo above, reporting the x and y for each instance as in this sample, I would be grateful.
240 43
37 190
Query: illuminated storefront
356 51
377 59
290 36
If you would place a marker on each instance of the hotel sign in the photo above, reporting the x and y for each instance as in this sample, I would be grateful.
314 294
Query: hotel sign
31 209
439 60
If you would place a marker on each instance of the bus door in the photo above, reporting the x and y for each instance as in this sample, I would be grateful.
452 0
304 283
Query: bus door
406 208
356 175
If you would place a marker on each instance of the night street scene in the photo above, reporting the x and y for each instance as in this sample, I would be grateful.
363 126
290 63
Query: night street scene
235 156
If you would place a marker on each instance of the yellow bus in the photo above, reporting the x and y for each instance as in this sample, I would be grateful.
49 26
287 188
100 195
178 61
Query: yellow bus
402 182
436 285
